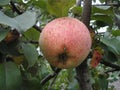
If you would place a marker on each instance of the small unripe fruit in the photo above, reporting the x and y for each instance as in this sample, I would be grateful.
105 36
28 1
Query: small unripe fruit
65 42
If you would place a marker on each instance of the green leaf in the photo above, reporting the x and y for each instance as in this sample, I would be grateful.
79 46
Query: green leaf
26 20
102 17
32 32
102 1
117 20
103 13
21 22
30 53
2 77
10 76
41 3
77 10
4 2
109 55
9 13
100 23
118 16
102 9
113 44
3 33
103 82
116 32
60 8
9 21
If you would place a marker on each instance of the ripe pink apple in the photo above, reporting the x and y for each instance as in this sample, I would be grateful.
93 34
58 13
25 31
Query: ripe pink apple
65 42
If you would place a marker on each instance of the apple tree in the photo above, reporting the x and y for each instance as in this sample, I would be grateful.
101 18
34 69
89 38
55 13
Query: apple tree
23 66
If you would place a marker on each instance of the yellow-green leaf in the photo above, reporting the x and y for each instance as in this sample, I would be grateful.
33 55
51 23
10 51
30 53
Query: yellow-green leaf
60 8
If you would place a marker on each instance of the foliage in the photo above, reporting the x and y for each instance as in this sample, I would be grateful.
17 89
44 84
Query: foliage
23 67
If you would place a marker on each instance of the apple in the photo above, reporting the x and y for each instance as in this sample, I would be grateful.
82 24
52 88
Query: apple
65 42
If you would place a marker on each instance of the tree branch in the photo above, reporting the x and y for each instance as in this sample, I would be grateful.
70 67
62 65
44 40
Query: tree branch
110 65
34 42
83 70
15 9
50 86
47 78
112 70
86 13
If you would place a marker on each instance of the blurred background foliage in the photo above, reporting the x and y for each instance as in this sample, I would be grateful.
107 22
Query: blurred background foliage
22 65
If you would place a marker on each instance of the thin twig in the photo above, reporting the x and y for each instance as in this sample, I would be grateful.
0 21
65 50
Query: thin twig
47 78
30 41
110 65
33 42
53 81
112 70
14 8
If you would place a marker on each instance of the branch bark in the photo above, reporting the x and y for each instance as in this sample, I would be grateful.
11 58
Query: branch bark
83 70
86 13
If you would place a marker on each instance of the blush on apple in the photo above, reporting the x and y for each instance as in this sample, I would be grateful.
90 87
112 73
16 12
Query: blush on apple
65 42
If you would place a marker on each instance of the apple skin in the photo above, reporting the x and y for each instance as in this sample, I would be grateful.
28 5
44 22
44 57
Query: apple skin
65 42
